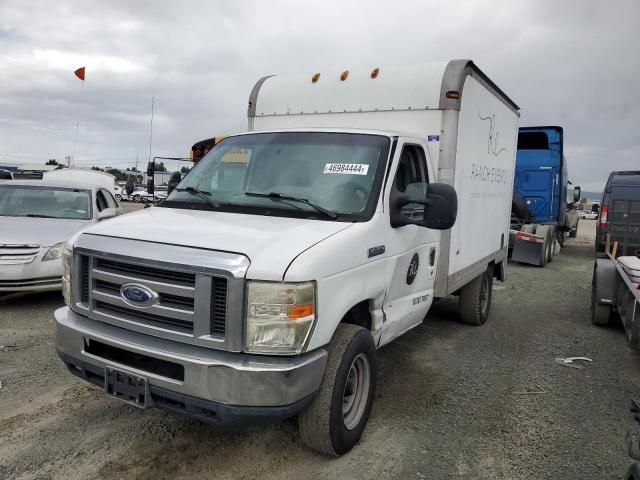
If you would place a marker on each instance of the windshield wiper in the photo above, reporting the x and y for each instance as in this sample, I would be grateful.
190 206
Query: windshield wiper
200 193
35 215
281 196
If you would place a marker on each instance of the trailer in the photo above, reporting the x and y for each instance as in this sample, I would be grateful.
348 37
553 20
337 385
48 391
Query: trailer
616 289
541 216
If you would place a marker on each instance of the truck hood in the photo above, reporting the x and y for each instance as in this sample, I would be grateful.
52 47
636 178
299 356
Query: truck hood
38 231
270 243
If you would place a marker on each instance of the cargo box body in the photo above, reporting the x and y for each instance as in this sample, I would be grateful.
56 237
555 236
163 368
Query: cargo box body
469 124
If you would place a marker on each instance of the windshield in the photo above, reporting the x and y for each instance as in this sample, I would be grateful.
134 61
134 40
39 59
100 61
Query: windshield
45 202
289 174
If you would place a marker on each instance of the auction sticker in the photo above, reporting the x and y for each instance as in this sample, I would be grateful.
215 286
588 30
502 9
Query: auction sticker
347 168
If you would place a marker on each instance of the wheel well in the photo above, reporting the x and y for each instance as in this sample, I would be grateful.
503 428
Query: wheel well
359 315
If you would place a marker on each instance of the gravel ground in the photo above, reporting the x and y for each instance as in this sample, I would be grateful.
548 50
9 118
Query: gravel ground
453 401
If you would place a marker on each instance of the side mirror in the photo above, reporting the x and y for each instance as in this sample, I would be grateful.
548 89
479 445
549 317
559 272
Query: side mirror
576 193
440 207
108 213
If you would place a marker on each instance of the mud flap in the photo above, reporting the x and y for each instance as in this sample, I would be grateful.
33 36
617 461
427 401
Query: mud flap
528 250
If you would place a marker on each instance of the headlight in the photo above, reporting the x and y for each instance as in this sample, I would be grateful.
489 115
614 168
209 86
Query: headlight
279 316
54 252
67 263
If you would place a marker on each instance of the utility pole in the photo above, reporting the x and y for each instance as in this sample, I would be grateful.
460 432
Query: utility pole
68 159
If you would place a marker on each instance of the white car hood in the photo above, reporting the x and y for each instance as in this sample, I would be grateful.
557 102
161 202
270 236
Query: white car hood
270 243
38 231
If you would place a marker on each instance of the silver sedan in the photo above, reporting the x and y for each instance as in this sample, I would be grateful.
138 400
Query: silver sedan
37 217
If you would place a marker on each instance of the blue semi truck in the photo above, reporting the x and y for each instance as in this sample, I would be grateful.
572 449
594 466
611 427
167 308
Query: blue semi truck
541 215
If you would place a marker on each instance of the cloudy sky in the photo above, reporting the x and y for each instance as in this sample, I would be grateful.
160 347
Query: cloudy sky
570 63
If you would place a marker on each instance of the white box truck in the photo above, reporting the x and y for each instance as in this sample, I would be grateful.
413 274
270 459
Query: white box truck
262 287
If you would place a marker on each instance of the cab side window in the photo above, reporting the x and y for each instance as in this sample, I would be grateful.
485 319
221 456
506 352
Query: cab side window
101 200
111 202
412 169
412 179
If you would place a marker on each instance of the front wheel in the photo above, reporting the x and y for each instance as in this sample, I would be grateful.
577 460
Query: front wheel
336 418
475 298
136 198
118 197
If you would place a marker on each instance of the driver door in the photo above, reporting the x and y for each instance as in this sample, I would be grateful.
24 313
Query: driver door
413 250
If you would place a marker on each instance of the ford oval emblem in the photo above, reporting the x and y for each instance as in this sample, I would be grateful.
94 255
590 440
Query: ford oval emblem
138 295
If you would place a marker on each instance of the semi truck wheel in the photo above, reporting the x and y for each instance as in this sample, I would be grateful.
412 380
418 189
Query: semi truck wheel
336 418
475 299
602 287
546 232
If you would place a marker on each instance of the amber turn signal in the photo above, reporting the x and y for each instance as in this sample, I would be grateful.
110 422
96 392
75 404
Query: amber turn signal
300 311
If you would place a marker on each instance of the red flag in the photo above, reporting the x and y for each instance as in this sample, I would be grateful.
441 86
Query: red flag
80 73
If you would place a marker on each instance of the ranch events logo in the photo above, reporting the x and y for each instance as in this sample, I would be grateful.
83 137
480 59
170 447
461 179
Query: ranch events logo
485 173
492 141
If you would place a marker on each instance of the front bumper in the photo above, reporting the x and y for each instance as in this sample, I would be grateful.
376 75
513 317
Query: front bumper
34 276
213 385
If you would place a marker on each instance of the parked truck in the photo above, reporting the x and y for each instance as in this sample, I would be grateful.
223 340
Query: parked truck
541 216
266 297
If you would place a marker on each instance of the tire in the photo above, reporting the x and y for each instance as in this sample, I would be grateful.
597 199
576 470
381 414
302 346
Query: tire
118 197
136 198
600 313
475 299
574 233
323 425
547 232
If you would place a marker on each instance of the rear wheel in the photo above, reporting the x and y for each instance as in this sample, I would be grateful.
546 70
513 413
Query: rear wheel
546 232
600 313
475 299
136 198
118 197
336 418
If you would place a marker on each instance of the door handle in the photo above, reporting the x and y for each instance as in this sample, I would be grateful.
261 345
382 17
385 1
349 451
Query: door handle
432 256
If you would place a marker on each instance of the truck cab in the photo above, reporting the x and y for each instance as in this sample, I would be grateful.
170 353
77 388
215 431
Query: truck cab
541 173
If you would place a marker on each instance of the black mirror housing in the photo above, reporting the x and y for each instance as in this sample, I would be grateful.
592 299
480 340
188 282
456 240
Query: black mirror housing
440 212
577 192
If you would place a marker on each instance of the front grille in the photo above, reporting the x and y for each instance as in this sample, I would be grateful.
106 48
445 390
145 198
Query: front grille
84 279
219 306
18 254
144 272
143 317
31 282
188 303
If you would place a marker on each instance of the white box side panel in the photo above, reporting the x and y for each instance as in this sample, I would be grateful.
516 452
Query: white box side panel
485 163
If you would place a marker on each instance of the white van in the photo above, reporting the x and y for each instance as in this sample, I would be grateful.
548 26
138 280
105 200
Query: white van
262 287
